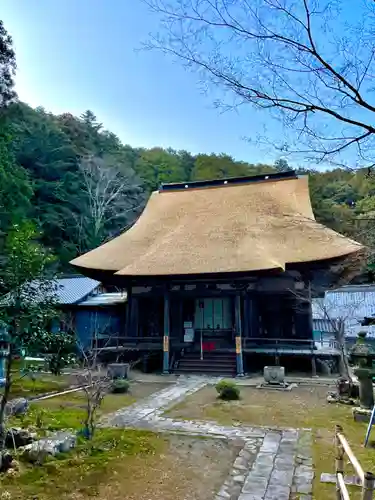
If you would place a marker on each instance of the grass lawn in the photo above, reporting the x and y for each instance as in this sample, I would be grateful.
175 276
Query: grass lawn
128 465
120 463
67 411
44 383
303 407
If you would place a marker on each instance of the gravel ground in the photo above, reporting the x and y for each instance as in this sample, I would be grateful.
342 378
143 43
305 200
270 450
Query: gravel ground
189 469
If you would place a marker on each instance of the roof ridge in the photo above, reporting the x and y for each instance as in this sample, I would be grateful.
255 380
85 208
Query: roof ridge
277 176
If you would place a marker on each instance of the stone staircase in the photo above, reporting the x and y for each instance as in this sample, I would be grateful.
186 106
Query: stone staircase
213 363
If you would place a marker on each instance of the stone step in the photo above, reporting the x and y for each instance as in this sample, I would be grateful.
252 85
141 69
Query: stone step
212 370
216 362
211 354
213 363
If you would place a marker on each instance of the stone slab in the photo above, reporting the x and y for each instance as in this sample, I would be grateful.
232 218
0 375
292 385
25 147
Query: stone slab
282 478
277 492
250 496
326 477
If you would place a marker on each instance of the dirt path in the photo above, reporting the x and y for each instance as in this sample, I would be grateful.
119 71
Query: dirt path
190 469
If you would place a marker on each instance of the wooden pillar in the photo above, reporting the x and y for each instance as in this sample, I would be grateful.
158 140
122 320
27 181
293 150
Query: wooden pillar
246 313
254 330
303 318
239 358
129 311
135 317
368 486
2 364
313 365
166 333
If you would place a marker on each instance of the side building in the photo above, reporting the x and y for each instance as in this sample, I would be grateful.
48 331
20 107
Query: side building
95 313
350 307
220 274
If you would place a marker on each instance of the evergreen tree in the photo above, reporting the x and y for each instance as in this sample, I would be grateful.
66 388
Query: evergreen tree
7 67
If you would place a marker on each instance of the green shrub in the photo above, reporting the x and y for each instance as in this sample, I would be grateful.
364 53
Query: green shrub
228 390
120 386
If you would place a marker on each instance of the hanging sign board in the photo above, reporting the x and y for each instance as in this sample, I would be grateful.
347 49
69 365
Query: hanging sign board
189 335
188 331
166 343
238 345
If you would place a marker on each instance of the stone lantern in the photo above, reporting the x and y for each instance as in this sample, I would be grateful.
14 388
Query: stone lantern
361 355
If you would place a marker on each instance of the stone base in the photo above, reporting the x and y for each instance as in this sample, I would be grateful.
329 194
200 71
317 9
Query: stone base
334 398
331 479
361 415
277 387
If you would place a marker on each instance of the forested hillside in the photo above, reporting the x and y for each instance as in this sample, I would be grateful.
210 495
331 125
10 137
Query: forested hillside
81 185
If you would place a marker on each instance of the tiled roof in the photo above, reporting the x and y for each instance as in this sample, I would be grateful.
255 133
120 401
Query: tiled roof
323 325
64 291
74 289
346 302
350 304
105 299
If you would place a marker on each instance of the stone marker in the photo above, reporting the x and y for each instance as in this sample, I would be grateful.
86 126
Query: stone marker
118 370
274 375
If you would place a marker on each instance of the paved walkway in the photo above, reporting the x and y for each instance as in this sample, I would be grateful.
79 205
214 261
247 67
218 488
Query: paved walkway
273 464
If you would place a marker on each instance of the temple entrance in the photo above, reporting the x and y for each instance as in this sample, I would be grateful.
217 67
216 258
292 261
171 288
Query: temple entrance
209 344
213 314
211 319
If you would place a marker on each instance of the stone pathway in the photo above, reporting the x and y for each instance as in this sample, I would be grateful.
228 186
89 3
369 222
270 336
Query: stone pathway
280 469
273 464
157 403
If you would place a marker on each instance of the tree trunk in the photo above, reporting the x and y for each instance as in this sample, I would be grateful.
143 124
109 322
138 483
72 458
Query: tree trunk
5 398
343 361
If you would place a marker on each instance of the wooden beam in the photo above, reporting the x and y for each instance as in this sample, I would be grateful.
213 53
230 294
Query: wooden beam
346 447
343 489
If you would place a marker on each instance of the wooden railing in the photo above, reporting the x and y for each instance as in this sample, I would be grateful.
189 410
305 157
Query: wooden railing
112 341
367 479
279 345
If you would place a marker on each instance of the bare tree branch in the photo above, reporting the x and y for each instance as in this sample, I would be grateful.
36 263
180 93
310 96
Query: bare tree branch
308 62
112 195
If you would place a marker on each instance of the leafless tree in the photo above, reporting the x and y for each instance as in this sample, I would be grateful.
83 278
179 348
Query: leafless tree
338 319
310 63
93 378
315 291
95 385
113 197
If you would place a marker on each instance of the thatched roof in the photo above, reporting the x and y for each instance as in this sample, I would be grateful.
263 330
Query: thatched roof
242 226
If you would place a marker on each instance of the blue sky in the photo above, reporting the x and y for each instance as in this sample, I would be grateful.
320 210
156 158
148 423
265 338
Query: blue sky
74 55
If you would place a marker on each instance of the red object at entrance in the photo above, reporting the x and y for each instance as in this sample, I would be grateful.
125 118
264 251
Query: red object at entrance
208 346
